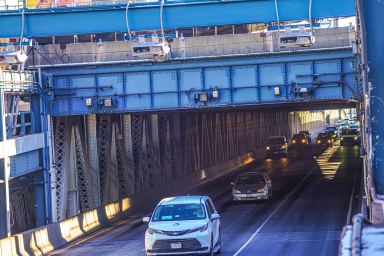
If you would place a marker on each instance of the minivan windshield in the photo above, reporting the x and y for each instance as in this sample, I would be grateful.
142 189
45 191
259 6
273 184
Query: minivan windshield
276 140
250 179
176 212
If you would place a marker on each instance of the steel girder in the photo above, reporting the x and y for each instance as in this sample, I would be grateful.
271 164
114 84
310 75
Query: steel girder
146 16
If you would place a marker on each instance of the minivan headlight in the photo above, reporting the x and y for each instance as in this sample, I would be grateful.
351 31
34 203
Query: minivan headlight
201 229
153 231
260 190
235 191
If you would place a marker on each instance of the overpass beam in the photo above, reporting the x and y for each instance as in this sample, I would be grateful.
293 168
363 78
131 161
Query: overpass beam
145 16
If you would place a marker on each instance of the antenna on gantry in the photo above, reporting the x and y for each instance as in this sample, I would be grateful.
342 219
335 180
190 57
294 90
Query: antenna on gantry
310 15
161 20
127 20
278 21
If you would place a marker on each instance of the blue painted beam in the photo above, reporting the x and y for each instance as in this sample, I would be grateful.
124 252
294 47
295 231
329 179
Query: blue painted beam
175 85
177 14
373 12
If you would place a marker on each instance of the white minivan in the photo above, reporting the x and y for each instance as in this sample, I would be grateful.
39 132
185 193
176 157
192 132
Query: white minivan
183 225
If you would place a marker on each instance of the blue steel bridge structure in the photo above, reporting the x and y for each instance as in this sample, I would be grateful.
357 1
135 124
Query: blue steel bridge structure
68 127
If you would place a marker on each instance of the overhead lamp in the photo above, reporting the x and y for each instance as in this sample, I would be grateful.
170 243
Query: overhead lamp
88 102
203 96
107 102
276 91
215 94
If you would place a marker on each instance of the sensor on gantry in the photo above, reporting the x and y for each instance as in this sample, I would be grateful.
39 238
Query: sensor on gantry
297 38
12 57
300 38
156 48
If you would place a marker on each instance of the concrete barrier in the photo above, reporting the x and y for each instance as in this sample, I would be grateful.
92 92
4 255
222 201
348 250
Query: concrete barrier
47 238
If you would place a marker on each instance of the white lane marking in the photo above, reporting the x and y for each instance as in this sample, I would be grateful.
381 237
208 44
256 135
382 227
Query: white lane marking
351 201
273 213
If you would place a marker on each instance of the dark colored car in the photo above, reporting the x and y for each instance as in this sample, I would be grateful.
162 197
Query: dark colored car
350 137
277 146
252 186
308 135
299 140
332 130
324 138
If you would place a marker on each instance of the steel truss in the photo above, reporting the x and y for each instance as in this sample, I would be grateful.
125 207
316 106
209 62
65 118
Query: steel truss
100 159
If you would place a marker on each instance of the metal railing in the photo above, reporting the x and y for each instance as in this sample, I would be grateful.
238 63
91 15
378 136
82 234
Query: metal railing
19 124
13 81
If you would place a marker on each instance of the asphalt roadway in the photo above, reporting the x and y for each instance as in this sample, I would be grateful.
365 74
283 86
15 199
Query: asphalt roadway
315 193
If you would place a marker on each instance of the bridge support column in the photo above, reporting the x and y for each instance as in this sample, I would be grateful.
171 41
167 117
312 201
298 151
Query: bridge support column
128 150
5 218
373 12
5 226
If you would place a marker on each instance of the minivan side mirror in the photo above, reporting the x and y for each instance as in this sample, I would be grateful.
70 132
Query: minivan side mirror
215 216
233 183
146 219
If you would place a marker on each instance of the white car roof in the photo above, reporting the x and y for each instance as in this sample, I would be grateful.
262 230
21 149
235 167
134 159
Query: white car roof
183 200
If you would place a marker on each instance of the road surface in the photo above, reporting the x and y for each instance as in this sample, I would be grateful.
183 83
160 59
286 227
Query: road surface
314 196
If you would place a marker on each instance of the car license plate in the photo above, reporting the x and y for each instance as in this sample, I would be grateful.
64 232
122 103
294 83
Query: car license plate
175 245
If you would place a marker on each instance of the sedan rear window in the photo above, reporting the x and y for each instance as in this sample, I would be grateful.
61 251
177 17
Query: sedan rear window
298 137
331 128
323 135
277 140
250 179
176 212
